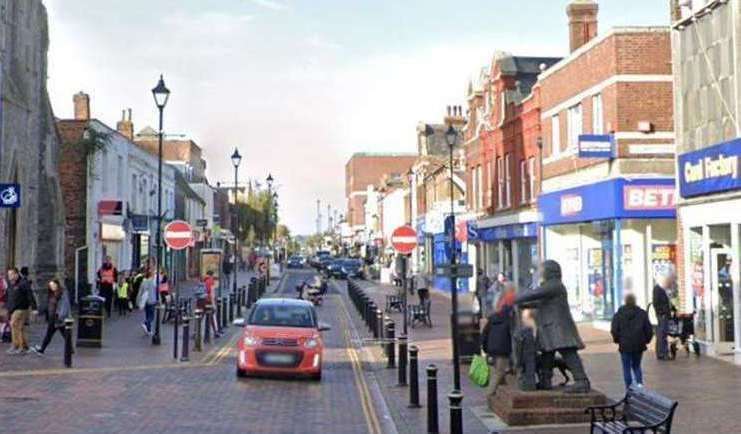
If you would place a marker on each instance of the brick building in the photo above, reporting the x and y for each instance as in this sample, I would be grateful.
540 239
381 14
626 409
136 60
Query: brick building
607 201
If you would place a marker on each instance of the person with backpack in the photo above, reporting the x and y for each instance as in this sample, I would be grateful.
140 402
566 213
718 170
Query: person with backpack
58 310
632 331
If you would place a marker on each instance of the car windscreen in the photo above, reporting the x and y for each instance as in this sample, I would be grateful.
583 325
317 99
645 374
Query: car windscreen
351 264
280 315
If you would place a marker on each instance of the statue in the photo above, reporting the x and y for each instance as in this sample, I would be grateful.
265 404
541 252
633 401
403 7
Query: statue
555 329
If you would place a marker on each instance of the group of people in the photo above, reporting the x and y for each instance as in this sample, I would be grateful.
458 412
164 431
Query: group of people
121 289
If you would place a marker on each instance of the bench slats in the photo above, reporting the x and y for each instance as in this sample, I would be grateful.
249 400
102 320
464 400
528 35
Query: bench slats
644 407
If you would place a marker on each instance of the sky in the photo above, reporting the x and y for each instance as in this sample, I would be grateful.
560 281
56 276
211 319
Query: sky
297 85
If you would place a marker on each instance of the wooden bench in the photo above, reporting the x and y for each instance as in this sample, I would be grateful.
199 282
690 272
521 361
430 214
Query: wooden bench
641 411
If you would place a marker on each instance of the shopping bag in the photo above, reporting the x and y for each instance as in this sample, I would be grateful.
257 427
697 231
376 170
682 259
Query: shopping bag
479 371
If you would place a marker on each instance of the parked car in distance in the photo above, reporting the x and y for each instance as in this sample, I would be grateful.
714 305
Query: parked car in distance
295 262
318 259
351 268
282 336
333 267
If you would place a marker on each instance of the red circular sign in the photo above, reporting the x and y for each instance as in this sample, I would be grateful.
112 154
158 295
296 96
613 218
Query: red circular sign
178 235
404 239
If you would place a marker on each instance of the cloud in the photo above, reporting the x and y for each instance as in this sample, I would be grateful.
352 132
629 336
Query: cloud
271 4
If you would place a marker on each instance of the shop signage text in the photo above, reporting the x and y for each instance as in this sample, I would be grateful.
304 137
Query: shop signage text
638 197
596 146
571 204
710 170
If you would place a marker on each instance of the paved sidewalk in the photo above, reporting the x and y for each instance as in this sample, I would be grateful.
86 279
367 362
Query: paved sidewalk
124 344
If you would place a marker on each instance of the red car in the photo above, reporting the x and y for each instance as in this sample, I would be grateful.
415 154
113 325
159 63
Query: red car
281 337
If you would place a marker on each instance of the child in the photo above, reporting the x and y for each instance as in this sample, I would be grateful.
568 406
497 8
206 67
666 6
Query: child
122 295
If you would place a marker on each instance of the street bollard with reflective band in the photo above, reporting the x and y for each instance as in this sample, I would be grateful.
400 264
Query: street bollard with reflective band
186 339
378 330
432 422
198 326
177 310
390 350
240 300
402 361
208 323
232 298
224 313
456 412
156 339
68 324
217 313
413 377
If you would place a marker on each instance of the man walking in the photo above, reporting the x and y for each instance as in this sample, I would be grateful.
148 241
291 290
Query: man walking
632 331
662 307
20 302
107 277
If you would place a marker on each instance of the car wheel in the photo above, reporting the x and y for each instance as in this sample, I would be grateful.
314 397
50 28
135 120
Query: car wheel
241 373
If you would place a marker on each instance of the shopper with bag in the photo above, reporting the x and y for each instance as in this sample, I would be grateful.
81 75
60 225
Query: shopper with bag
496 338
58 310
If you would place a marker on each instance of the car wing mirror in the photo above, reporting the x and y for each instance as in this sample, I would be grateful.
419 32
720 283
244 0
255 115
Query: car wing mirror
324 327
239 322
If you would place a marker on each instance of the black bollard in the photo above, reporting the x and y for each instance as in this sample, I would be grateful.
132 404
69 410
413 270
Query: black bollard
176 309
390 350
456 412
232 298
198 325
68 324
402 361
209 323
432 423
217 313
224 313
413 376
378 330
186 339
240 300
156 336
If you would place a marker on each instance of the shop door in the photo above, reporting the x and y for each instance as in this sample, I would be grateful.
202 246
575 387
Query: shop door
721 289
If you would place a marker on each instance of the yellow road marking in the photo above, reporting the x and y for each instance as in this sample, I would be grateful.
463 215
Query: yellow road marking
369 411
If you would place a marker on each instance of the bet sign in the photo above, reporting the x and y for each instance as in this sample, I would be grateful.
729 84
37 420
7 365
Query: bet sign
649 197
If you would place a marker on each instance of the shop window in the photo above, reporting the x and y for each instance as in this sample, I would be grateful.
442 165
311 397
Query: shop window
487 191
696 281
480 192
508 180
597 115
555 136
532 177
524 182
474 189
574 126
500 182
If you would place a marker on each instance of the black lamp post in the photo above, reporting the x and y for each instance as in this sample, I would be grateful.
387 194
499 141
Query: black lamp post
268 230
236 160
451 136
161 95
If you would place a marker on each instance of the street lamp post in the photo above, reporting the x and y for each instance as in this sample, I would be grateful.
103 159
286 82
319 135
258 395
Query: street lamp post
236 160
269 181
451 136
274 214
161 95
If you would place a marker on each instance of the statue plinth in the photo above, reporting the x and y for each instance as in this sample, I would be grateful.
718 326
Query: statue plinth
518 408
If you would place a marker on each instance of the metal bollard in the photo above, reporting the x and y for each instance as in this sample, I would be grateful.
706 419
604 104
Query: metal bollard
402 360
224 313
209 322
156 340
378 330
217 312
197 340
177 311
240 301
232 302
456 412
413 376
432 422
68 324
390 348
186 339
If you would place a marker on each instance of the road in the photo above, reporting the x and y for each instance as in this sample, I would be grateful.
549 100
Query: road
203 397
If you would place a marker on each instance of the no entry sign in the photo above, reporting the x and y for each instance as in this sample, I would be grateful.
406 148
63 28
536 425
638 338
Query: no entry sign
404 240
178 235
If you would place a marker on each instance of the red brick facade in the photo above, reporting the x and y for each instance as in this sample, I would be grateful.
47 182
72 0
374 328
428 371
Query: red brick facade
73 181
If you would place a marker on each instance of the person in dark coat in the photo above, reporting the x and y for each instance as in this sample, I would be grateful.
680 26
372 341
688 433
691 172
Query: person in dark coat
632 331
556 330
59 309
20 303
662 307
496 342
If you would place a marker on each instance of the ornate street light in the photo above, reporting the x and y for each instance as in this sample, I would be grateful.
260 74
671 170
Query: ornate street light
451 136
236 160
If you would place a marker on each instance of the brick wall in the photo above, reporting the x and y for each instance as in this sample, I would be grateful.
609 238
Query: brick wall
73 182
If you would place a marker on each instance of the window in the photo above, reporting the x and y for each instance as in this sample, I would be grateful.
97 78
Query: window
120 177
487 192
474 189
555 136
598 122
532 177
574 126
132 194
500 182
508 180
524 182
503 108
480 192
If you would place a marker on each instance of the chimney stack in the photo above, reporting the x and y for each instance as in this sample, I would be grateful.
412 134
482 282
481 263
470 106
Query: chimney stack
125 126
82 106
582 22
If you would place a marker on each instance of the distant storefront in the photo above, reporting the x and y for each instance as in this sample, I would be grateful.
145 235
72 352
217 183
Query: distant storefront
610 237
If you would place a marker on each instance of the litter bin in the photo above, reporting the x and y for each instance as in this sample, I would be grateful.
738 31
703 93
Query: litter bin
469 335
90 322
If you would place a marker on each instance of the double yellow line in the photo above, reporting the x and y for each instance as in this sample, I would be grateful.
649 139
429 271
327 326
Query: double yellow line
369 411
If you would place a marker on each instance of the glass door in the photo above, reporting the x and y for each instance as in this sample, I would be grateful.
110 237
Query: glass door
722 293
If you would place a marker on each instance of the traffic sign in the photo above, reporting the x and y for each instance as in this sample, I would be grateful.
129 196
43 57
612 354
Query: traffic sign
404 239
459 271
178 235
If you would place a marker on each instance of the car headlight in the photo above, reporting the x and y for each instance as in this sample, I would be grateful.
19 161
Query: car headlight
344 270
251 341
311 343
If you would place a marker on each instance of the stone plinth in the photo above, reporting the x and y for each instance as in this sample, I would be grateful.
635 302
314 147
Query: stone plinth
517 408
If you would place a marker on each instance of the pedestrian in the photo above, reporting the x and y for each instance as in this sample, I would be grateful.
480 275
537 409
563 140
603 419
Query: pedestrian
227 269
59 309
122 293
4 317
20 302
662 307
147 300
482 287
632 331
136 283
107 278
496 338
164 289
210 283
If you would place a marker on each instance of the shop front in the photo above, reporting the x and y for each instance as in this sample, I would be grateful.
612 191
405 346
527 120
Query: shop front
611 238
710 216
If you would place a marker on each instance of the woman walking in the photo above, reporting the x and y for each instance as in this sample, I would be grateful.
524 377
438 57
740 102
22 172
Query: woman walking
632 331
58 310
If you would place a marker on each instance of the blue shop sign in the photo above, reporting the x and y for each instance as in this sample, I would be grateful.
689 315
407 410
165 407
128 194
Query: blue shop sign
504 232
612 199
711 170
10 196
596 146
